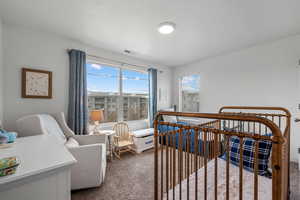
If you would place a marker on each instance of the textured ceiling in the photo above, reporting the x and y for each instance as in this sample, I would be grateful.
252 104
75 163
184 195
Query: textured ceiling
204 28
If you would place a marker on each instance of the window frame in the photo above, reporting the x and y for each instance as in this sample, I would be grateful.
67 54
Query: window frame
180 90
120 103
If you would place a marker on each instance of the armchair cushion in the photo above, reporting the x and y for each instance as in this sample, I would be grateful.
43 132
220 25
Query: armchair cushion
90 139
71 143
50 125
61 120
29 125
40 124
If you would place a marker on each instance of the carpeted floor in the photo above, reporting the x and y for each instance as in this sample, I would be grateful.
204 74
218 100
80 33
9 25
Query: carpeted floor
295 182
132 179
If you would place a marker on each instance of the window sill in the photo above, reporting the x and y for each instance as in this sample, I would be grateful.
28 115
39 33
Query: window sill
133 125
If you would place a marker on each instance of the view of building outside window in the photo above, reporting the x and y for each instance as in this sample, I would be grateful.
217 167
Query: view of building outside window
190 93
135 95
119 104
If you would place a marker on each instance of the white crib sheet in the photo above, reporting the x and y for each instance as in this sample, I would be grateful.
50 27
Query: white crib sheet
264 184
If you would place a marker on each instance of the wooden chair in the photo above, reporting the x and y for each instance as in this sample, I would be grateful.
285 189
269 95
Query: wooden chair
123 139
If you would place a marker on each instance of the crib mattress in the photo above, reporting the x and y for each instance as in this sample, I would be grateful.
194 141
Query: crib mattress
264 184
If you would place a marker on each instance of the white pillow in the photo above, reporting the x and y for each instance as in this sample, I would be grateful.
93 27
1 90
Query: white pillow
169 118
71 142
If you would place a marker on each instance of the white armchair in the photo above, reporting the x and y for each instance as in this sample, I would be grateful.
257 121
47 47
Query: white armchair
88 150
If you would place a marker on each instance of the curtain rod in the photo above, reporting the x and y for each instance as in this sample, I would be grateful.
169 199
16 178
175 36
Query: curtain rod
117 61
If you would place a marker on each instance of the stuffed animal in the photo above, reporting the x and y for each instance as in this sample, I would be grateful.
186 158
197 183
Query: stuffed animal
7 137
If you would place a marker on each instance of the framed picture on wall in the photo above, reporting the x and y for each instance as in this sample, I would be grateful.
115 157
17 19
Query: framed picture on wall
36 83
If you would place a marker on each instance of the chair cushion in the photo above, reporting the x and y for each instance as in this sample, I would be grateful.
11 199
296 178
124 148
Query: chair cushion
143 132
50 125
71 142
264 149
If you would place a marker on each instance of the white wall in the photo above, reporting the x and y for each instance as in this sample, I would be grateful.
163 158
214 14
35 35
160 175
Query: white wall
1 73
265 75
34 49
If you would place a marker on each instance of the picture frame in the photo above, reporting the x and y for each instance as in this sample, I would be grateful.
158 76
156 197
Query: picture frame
36 83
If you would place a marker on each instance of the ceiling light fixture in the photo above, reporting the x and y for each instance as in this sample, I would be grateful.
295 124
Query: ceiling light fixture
127 51
166 27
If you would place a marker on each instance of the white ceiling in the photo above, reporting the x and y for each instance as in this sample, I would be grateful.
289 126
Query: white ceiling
204 27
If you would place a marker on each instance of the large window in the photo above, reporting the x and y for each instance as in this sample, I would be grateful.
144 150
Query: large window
135 95
121 93
189 97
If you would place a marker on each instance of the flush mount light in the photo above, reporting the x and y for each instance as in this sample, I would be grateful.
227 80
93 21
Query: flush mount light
127 51
166 27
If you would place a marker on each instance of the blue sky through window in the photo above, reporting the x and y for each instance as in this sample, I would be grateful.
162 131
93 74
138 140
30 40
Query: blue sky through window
135 82
102 78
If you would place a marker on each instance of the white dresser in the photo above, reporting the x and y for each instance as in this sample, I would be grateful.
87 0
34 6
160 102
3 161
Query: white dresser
44 172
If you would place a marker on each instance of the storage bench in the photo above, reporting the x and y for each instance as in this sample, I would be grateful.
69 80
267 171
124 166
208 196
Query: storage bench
143 139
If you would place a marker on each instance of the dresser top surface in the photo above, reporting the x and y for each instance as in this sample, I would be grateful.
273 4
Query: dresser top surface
37 155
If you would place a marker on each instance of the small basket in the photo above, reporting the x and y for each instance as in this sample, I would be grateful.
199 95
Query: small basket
7 145
8 166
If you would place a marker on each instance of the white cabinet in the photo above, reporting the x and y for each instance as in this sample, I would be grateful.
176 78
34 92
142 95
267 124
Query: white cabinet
44 172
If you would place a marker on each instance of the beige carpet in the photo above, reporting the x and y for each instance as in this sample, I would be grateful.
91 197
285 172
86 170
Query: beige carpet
132 179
